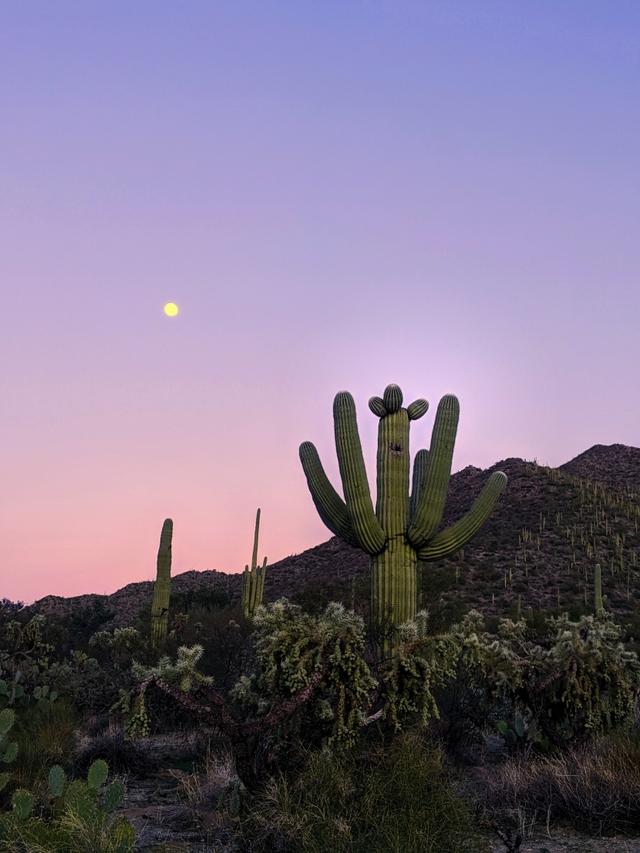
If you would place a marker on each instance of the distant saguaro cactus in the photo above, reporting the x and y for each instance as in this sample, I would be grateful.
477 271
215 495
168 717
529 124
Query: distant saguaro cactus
403 529
162 588
253 578
597 591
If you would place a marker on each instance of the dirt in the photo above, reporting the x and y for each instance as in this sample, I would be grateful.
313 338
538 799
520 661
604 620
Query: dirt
563 840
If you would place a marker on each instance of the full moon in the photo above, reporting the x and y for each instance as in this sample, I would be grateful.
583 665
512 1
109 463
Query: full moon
171 309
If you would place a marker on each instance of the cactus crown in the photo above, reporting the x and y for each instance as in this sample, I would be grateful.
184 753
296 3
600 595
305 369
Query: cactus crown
391 402
417 514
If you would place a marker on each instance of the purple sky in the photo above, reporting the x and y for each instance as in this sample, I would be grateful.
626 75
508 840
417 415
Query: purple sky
338 195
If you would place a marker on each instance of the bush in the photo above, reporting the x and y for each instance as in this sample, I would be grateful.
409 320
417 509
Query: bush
596 787
295 651
375 800
45 735
576 682
123 754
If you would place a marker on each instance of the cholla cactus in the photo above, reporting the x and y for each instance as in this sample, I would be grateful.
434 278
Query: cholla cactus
253 578
162 588
404 528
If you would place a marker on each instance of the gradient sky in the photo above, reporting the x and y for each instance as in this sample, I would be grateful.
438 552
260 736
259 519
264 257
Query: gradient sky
338 195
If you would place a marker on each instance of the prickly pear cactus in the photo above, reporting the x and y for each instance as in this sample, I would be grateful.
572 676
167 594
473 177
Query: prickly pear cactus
404 527
76 815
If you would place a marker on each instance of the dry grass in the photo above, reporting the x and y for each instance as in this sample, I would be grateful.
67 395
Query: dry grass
393 799
596 788
214 775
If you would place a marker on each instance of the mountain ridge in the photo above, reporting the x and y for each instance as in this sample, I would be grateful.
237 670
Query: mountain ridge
541 543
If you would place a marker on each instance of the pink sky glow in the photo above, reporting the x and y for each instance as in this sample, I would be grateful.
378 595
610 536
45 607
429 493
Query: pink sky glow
338 196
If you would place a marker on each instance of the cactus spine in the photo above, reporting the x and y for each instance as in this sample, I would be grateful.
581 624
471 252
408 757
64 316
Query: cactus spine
162 588
253 578
403 528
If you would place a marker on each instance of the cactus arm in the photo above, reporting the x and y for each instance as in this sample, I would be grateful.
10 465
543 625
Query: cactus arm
433 493
366 527
246 606
417 409
162 587
453 538
256 534
331 508
419 470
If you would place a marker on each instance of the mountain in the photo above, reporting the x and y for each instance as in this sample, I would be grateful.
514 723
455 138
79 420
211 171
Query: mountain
614 465
550 528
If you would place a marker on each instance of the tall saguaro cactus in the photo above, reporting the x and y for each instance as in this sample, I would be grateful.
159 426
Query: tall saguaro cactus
253 579
162 588
404 527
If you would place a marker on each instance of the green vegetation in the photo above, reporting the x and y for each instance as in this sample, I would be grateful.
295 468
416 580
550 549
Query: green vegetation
73 816
375 799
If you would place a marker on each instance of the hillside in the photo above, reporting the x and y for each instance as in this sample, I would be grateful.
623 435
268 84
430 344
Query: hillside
616 466
546 536
548 531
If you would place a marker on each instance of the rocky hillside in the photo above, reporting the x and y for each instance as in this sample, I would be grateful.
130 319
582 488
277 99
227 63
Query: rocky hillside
614 465
551 527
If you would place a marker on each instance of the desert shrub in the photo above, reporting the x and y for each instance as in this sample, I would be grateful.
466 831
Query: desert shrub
376 798
81 678
295 651
71 817
115 650
8 746
33 672
148 708
351 593
575 683
421 664
595 787
464 710
24 660
223 635
123 754
45 736
9 610
204 599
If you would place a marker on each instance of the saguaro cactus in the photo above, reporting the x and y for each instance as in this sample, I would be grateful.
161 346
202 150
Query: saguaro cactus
403 529
253 578
162 587
597 592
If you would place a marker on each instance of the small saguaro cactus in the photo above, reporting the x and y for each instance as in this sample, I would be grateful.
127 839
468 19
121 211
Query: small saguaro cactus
162 588
253 578
403 529
597 591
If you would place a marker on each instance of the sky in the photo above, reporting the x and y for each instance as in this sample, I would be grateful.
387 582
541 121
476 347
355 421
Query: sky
338 195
